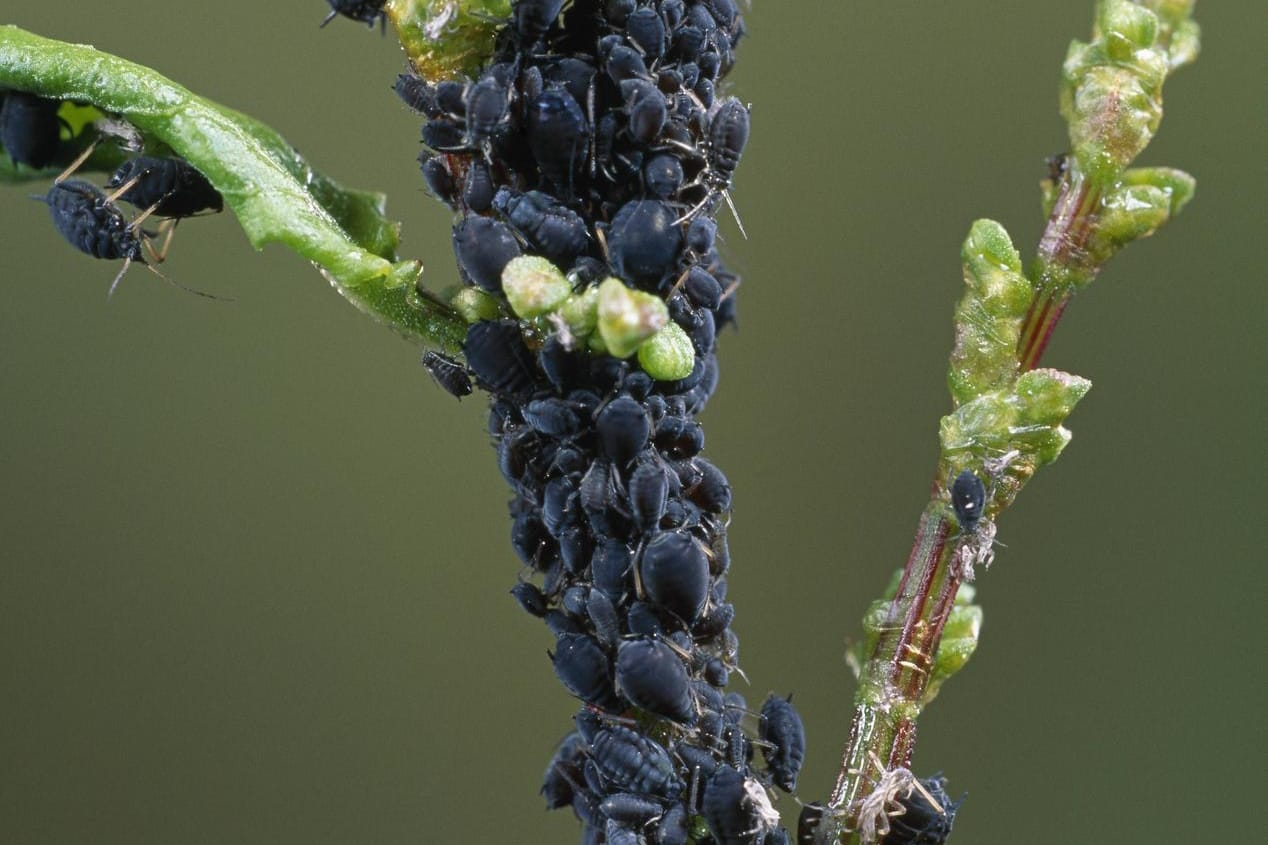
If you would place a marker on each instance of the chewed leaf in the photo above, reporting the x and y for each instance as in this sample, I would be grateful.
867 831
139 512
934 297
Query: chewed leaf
275 194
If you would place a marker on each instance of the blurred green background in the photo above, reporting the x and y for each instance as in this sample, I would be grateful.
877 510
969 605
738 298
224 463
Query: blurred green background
254 565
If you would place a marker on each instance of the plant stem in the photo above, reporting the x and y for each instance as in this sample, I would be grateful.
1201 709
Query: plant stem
896 676
888 703
1062 263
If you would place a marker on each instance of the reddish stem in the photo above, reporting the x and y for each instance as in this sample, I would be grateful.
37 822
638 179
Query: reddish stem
884 724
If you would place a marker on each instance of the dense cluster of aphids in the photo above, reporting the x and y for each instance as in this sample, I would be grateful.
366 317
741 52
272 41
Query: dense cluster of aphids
596 138
87 216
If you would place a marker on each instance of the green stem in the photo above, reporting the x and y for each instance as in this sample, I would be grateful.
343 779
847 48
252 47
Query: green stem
894 680
1062 264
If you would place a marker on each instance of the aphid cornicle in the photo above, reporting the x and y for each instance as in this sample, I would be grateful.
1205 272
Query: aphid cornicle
171 187
968 496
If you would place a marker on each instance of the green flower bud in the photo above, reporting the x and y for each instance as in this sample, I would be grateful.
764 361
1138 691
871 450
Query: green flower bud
580 312
447 38
474 304
988 316
1178 184
533 286
1125 27
1186 43
628 317
1128 212
1047 396
1026 417
668 355
1113 115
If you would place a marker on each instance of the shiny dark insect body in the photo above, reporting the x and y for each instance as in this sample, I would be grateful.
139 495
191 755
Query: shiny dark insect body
365 11
93 224
968 496
448 373
30 130
922 823
169 187
785 737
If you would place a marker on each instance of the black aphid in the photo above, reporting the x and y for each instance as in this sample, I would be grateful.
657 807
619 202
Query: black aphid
487 104
532 18
808 823
365 11
632 762
648 492
675 574
631 810
498 356
564 771
557 137
584 669
624 429
728 810
30 130
672 829
968 496
530 598
86 218
781 728
555 230
921 823
484 247
448 373
644 240
171 187
652 676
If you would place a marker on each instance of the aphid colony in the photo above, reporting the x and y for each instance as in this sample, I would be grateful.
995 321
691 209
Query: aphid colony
89 218
595 143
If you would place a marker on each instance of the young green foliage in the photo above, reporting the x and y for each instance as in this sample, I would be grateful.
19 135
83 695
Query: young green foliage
275 194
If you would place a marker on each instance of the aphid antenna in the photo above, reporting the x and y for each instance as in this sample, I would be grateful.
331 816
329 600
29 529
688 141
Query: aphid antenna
127 262
683 147
726 195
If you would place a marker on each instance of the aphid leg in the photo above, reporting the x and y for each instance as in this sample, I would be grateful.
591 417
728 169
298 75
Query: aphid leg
75 165
167 228
127 262
123 189
603 244
678 284
696 210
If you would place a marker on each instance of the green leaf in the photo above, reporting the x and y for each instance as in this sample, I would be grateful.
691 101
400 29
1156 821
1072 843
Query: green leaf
275 194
